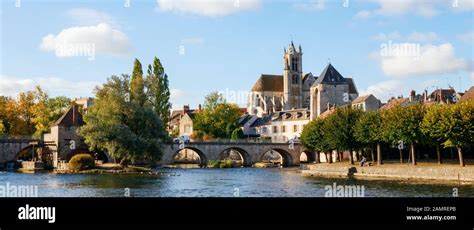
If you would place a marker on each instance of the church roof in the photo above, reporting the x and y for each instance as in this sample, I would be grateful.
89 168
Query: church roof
71 118
268 82
352 87
330 76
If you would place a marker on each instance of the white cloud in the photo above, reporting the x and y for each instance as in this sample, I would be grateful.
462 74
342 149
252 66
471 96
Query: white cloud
313 5
176 94
467 37
192 41
211 8
386 89
11 86
431 59
86 16
102 38
363 14
424 8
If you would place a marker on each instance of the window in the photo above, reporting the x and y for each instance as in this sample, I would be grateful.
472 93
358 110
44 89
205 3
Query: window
275 129
294 79
295 128
187 128
283 129
294 64
68 128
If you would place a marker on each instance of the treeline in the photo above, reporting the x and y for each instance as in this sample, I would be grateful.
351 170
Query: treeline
30 114
129 117
436 125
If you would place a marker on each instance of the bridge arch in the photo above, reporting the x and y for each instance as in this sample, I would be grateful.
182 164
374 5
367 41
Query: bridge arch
202 157
244 155
26 153
286 157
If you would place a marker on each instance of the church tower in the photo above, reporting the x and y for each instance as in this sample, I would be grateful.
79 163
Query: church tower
292 78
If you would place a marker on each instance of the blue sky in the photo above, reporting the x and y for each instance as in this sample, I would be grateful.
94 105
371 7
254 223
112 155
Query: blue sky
217 45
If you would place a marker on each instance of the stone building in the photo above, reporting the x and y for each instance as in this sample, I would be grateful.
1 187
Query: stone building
366 103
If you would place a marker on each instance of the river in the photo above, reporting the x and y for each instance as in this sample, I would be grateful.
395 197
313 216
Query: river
243 182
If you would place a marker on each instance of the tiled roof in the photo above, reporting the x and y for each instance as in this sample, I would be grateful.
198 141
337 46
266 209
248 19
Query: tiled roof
268 82
330 76
361 99
72 117
352 87
469 95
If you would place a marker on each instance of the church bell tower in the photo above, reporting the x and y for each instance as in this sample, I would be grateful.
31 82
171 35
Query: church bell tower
292 78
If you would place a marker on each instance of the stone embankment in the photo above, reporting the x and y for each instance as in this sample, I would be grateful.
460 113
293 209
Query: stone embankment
449 173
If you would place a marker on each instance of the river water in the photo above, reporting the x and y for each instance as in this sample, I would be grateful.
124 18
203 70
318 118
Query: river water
243 182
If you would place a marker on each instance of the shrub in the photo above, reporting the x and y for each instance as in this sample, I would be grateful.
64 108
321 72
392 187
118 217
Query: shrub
81 162
220 164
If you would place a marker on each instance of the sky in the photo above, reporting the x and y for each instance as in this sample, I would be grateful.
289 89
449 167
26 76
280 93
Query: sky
388 47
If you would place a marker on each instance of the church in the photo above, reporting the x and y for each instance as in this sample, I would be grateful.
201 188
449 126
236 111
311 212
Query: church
292 99
294 90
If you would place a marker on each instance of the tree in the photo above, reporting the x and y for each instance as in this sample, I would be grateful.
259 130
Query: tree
125 129
313 136
47 110
457 125
237 134
431 124
158 90
403 126
217 119
340 130
137 87
367 130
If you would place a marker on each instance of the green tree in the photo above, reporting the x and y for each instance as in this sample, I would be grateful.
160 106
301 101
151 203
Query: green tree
137 88
237 134
158 90
313 137
368 131
431 124
217 119
47 110
125 129
403 126
340 130
457 124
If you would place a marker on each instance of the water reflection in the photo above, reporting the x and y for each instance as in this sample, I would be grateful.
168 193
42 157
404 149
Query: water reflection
250 182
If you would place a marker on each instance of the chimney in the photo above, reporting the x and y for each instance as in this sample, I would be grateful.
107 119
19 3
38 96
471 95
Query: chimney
412 95
185 109
199 108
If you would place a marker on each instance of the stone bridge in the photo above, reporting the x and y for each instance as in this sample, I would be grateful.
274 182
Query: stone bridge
9 148
249 152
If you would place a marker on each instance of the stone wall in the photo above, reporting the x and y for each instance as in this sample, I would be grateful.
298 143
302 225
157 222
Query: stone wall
445 172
